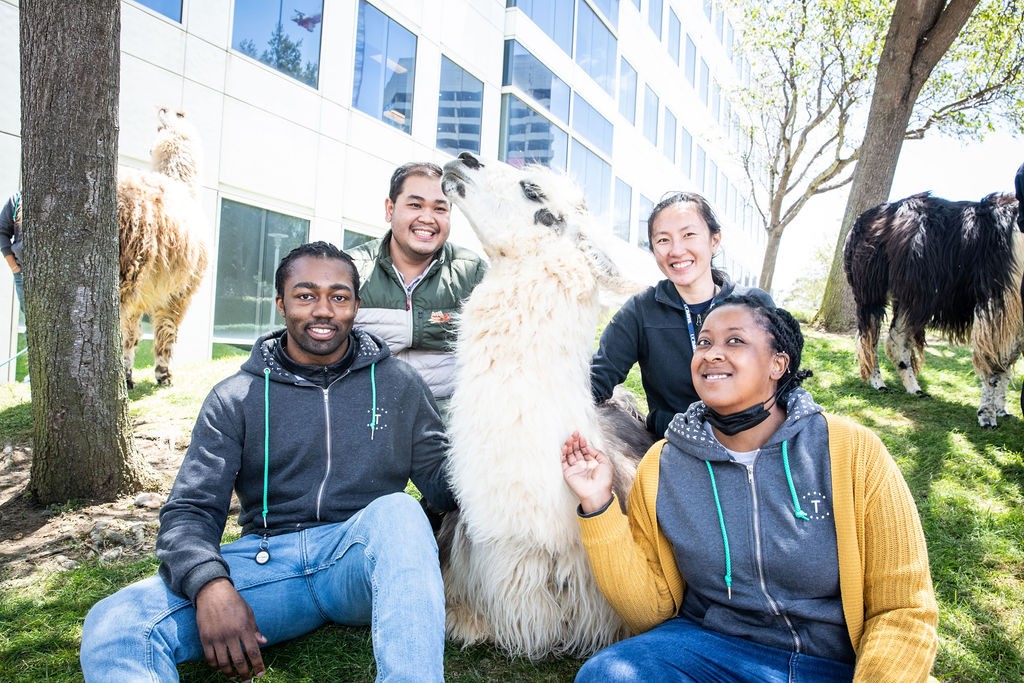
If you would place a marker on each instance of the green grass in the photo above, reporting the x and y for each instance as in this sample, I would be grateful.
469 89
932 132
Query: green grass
968 483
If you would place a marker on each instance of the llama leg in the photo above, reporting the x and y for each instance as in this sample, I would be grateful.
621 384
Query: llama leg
898 347
993 399
165 334
867 353
131 330
463 624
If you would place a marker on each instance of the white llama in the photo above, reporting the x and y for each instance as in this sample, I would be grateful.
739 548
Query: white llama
514 568
163 256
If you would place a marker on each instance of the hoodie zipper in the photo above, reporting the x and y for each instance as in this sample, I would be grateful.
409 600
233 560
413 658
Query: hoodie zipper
327 436
760 560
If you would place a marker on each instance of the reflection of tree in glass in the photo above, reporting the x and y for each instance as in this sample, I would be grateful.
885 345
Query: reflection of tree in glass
284 54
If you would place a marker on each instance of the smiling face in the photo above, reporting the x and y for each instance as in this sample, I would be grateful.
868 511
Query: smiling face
318 305
419 219
735 364
683 247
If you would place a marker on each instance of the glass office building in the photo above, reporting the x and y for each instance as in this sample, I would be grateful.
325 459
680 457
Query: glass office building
304 110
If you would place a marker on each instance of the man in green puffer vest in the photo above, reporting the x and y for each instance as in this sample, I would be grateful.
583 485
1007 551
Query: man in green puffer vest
414 281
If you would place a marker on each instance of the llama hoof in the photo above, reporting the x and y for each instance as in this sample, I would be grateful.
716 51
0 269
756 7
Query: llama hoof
922 394
884 389
986 419
129 383
164 382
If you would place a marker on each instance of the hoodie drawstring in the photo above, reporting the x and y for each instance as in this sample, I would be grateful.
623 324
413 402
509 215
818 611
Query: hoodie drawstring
725 535
266 441
797 512
373 391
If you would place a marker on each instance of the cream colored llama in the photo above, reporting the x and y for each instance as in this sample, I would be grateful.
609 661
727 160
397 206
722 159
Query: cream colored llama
514 569
163 255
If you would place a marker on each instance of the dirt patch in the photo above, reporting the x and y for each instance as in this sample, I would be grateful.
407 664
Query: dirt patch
59 537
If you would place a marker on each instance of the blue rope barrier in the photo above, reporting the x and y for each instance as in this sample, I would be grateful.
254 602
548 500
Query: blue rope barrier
24 350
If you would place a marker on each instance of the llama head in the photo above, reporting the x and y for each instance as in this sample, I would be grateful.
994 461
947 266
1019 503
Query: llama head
177 152
502 203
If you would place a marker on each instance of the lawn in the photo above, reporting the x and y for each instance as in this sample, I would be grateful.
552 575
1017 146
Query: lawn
968 483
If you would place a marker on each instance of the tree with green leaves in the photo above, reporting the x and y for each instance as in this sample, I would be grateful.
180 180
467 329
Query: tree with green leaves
813 72
955 65
81 430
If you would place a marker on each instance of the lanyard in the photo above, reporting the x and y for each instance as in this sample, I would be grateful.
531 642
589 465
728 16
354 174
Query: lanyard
689 318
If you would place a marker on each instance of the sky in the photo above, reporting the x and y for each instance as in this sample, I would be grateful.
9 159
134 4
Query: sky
950 168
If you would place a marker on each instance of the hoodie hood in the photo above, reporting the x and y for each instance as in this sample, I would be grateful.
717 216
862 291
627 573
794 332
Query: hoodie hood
370 349
689 428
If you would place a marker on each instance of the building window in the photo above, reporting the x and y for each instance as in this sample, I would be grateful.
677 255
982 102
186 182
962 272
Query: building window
530 138
711 184
643 213
251 243
290 44
591 125
622 219
668 140
385 68
352 239
651 104
675 29
554 17
527 73
705 77
700 162
459 109
169 8
708 10
691 62
610 10
686 152
596 48
716 100
655 10
627 91
594 175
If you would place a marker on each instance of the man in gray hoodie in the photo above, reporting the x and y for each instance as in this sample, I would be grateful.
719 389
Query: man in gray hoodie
318 435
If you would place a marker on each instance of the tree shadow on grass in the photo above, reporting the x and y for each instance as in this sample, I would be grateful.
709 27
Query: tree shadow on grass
968 482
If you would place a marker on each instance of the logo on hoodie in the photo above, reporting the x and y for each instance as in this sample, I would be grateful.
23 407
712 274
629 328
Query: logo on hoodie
815 505
440 317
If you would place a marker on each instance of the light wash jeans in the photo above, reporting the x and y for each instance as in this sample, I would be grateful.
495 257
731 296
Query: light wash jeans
380 568
679 650
19 288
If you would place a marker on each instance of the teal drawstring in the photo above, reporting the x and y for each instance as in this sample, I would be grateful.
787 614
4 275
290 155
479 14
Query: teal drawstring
373 390
725 536
797 512
266 440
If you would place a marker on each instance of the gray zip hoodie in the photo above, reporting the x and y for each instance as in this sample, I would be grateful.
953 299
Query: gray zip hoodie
757 545
332 451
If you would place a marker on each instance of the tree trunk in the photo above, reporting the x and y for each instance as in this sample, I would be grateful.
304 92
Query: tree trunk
920 33
70 59
771 256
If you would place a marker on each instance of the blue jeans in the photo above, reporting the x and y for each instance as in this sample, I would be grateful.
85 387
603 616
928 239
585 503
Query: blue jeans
379 568
680 650
19 288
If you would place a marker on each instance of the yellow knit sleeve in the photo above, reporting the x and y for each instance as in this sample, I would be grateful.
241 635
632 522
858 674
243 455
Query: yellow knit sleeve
899 639
630 557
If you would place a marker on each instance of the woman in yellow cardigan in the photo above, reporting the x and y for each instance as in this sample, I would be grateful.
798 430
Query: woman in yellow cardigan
765 540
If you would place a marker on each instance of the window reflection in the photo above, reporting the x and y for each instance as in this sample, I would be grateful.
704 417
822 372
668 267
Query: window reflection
530 138
252 242
627 91
385 68
554 17
287 39
596 49
623 217
590 124
459 109
527 73
169 8
594 175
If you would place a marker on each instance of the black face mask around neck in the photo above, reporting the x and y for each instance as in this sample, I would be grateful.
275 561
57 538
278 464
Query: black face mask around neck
733 424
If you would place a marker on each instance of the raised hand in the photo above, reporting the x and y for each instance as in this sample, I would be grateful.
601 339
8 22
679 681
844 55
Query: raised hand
588 472
227 629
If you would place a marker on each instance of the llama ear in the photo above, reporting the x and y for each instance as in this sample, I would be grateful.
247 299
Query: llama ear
604 269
